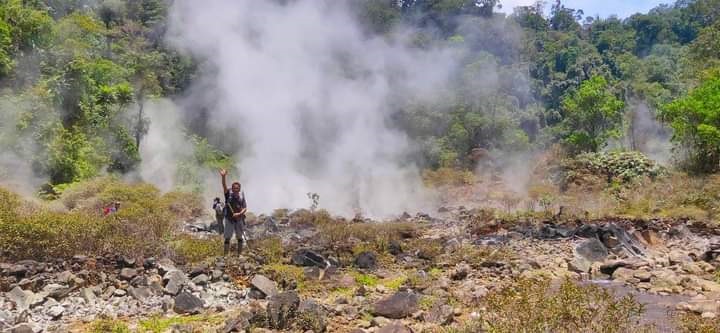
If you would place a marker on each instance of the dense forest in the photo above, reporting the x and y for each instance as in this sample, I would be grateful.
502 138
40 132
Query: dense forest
439 166
75 75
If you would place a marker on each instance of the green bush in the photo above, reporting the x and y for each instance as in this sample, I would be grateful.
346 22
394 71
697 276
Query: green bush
141 227
108 326
533 306
612 167
190 249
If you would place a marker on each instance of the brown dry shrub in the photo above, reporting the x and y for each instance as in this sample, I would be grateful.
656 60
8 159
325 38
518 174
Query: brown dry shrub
533 306
142 226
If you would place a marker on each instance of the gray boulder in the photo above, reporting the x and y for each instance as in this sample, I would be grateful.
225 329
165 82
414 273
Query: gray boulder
174 281
128 274
394 328
441 314
263 284
366 260
312 316
201 280
282 309
187 303
397 306
592 250
305 257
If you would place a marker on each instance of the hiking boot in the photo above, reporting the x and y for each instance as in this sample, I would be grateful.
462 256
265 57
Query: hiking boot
226 249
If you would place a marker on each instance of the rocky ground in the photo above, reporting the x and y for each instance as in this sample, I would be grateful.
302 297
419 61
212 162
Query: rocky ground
435 275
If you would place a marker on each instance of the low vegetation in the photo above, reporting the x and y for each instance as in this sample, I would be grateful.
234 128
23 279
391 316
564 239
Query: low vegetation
534 306
142 226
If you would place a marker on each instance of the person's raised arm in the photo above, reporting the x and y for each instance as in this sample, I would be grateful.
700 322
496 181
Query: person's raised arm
223 174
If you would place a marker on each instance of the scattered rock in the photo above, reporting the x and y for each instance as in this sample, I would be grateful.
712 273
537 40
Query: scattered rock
128 274
460 272
394 328
441 314
305 257
57 291
88 295
19 297
65 277
651 237
282 308
140 293
263 284
395 247
126 262
187 303
165 266
312 316
174 281
22 328
366 260
397 306
150 263
56 312
201 280
238 323
592 250
623 274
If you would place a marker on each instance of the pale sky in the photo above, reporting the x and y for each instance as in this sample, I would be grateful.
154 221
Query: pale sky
604 8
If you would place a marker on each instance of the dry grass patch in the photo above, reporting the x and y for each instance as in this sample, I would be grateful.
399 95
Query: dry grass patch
533 306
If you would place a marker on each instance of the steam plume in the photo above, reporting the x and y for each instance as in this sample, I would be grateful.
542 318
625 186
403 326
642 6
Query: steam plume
304 95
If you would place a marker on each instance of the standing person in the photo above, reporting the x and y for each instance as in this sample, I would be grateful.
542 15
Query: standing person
219 209
235 209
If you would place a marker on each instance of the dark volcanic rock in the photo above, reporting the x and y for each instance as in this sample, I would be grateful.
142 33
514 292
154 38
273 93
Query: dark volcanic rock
397 306
282 308
305 257
313 316
592 250
366 260
128 274
174 281
187 303
239 323
395 247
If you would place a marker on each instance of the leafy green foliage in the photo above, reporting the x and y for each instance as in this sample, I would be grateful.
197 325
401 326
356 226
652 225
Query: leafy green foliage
695 120
75 75
592 116
622 167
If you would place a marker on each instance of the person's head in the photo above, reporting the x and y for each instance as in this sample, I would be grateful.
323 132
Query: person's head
235 187
117 204
216 200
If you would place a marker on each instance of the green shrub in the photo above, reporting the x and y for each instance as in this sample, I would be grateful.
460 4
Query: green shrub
619 167
157 324
270 249
108 326
308 218
532 306
448 177
190 249
141 227
367 280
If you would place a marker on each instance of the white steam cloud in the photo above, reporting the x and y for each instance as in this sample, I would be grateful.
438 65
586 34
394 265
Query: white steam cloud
306 96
